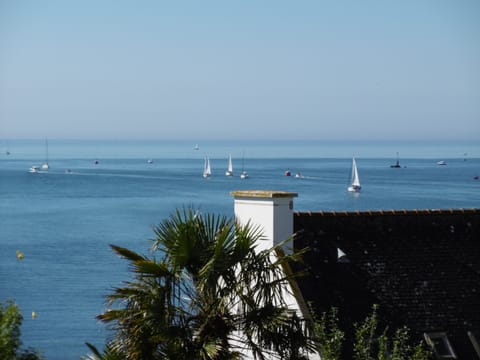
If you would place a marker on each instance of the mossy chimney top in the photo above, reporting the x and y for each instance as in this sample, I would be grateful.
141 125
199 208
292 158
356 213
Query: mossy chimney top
263 194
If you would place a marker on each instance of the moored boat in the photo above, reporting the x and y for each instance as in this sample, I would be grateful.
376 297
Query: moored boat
244 174
45 165
397 164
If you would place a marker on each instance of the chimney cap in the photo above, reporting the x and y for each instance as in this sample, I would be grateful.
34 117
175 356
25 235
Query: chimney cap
263 194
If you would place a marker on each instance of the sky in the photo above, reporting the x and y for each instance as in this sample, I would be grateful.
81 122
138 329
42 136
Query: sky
272 69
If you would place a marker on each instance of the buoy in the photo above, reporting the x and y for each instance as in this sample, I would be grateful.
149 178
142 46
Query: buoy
19 255
34 315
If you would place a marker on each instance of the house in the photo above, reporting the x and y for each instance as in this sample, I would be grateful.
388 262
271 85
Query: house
422 267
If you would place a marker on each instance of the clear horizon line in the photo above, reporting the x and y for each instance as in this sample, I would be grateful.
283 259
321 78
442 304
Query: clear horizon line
195 140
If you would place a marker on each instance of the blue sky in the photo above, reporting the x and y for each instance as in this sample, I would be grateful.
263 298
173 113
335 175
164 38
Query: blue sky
240 69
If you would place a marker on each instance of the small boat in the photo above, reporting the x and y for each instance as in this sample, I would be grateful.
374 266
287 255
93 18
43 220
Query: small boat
196 147
288 173
244 174
45 166
298 175
207 171
397 164
229 171
96 162
441 162
150 161
475 177
34 169
355 180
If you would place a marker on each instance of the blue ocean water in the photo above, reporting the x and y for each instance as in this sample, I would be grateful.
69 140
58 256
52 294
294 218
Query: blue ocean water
63 220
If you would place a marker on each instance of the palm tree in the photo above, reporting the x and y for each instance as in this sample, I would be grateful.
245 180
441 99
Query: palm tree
211 295
108 354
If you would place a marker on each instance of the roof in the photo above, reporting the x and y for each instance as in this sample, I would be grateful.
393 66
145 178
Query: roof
421 266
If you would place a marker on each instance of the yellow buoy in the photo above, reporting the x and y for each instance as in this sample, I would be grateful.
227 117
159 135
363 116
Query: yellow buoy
19 255
34 315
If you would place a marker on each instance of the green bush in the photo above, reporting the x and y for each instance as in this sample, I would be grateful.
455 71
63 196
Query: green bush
369 343
10 322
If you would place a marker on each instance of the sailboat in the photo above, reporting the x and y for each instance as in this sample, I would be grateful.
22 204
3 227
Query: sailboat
397 164
45 166
244 174
355 180
207 171
229 171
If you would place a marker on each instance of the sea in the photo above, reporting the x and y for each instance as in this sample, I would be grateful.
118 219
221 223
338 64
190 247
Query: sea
101 192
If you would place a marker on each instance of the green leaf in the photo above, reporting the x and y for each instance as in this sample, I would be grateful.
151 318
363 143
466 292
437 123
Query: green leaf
126 253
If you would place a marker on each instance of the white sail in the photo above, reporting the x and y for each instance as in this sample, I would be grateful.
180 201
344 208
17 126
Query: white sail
355 179
229 171
207 171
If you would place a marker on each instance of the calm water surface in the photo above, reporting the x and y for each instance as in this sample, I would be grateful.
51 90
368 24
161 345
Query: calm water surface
63 222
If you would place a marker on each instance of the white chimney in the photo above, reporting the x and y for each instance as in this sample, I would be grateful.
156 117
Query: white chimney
272 211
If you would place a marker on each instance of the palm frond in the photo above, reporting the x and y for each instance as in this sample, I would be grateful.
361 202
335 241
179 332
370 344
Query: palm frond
110 353
151 268
126 253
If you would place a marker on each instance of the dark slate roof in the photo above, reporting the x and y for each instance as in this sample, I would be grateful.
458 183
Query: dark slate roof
421 267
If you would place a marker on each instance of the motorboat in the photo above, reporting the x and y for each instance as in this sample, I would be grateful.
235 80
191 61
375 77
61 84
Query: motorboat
34 169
